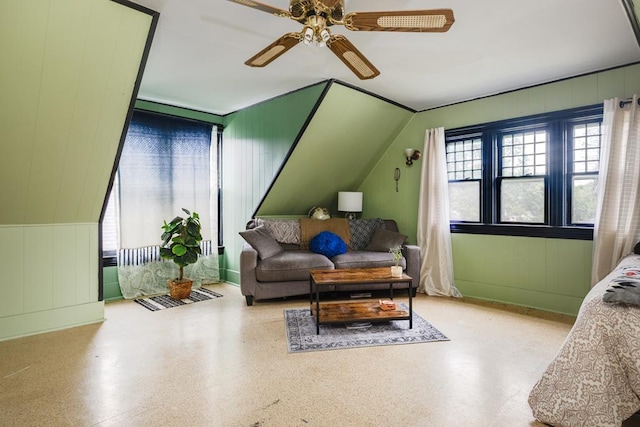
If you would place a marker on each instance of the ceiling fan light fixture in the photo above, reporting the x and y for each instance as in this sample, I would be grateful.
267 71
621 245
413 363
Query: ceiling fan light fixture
325 35
413 21
307 35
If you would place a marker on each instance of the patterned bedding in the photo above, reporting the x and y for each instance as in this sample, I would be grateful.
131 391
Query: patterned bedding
594 379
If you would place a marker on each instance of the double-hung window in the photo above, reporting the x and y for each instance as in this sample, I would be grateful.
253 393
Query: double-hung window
464 169
522 175
533 176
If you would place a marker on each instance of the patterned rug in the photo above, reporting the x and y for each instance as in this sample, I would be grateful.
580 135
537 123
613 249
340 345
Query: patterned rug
301 332
161 302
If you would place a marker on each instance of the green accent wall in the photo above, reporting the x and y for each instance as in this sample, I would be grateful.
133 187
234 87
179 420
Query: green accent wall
67 77
346 136
256 141
561 268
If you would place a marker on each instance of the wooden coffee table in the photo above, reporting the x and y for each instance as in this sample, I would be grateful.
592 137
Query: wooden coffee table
361 311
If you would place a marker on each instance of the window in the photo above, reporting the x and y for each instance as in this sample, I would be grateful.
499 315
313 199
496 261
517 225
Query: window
534 176
464 169
522 176
584 164
167 163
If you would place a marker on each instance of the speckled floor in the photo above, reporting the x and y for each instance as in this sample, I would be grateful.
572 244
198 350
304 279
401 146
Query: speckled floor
221 363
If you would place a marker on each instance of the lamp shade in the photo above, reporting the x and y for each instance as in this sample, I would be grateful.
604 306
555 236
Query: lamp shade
350 201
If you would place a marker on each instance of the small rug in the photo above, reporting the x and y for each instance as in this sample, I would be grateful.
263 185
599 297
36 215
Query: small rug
161 302
301 332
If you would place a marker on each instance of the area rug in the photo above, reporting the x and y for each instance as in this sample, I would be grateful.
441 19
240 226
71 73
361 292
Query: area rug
161 302
301 332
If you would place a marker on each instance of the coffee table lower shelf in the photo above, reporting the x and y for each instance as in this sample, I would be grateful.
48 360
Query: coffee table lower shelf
360 311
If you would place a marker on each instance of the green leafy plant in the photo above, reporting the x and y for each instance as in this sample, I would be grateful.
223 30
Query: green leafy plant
181 240
397 254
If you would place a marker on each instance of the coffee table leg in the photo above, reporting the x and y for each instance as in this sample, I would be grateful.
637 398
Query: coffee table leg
317 311
311 296
411 304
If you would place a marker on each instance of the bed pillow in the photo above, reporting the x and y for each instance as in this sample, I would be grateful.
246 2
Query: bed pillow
383 240
625 292
327 244
262 241
625 288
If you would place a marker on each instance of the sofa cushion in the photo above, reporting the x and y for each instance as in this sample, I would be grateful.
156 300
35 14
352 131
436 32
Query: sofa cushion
327 244
260 239
362 230
383 240
283 230
291 265
366 259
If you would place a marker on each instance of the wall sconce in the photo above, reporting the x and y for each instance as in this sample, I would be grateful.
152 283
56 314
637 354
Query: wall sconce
411 155
350 202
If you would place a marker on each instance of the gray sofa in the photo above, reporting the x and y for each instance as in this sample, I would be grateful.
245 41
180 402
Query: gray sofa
282 269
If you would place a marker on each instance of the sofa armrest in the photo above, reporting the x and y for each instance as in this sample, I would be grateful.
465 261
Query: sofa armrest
412 256
248 264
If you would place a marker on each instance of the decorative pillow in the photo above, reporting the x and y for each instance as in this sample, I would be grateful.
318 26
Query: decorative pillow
383 240
362 230
283 230
636 250
624 288
327 244
263 242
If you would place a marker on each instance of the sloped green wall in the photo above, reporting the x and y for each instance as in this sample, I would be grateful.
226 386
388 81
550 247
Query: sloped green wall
256 141
67 77
345 138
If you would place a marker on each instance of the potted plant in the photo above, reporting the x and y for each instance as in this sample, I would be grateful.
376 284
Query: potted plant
181 243
396 270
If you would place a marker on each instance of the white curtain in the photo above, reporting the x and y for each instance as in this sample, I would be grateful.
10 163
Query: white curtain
434 235
617 225
167 164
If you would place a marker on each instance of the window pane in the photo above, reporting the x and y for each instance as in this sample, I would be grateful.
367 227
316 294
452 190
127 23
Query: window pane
583 202
465 158
522 200
464 201
110 224
586 148
523 149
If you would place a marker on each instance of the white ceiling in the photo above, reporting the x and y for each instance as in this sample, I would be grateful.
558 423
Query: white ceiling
198 52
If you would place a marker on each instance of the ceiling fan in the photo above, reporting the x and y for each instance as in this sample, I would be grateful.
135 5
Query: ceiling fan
318 15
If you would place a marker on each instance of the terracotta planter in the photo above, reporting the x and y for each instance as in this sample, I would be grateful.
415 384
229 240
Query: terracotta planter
180 290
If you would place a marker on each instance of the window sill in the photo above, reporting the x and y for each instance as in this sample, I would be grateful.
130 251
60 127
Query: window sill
110 260
574 233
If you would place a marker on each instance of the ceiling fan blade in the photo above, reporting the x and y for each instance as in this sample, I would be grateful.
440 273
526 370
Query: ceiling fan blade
434 20
274 50
263 7
352 57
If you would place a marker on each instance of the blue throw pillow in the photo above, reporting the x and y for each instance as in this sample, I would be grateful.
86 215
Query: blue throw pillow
327 244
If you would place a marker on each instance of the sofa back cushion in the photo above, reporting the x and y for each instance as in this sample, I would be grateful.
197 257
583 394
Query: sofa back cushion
361 231
283 230
260 239
383 240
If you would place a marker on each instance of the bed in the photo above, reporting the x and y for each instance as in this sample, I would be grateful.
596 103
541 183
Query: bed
594 380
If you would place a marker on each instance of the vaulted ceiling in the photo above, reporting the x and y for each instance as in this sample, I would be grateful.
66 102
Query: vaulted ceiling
198 53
